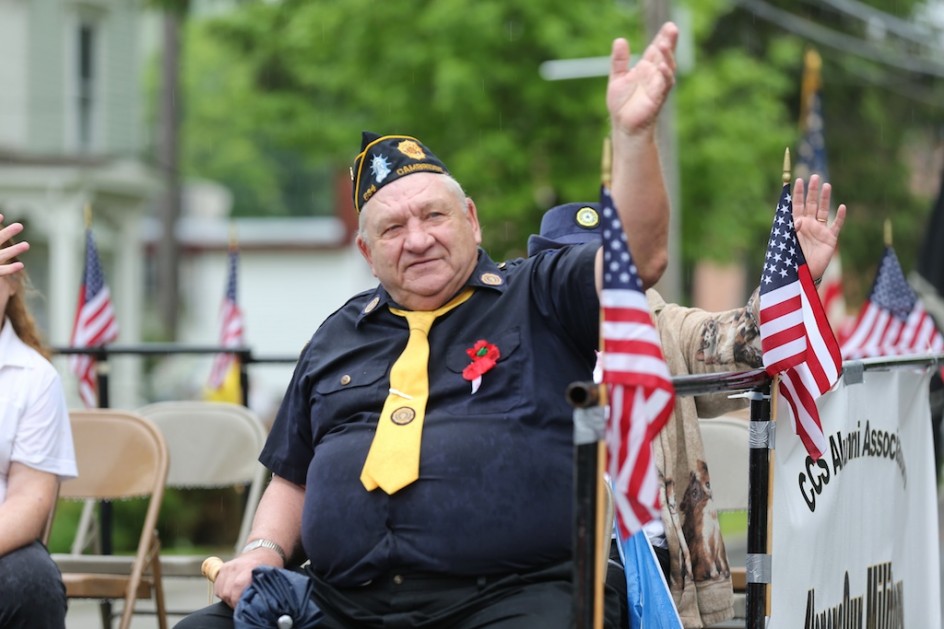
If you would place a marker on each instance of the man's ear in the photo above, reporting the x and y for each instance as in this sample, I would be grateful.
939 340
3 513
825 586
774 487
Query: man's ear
473 216
364 249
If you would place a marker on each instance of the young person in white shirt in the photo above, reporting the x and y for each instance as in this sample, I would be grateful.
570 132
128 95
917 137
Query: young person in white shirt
36 453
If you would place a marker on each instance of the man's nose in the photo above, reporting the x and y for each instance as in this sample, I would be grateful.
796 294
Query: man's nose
417 237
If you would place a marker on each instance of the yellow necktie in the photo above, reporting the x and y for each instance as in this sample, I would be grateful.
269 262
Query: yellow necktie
393 461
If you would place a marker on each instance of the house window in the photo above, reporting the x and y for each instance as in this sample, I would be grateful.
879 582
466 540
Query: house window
87 77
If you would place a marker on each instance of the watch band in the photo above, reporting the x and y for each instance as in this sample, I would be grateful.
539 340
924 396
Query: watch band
264 543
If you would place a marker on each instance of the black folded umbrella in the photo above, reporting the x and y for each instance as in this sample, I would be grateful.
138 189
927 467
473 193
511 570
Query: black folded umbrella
277 599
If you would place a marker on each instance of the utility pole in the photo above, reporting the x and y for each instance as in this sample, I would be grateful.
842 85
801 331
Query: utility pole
655 14
168 162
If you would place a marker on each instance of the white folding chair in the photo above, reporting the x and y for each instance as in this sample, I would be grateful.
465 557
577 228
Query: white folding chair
212 445
727 453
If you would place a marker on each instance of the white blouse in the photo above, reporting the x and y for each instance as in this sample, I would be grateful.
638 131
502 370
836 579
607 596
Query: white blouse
34 419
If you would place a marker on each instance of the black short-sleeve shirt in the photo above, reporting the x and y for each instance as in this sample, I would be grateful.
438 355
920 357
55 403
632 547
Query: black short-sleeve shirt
496 467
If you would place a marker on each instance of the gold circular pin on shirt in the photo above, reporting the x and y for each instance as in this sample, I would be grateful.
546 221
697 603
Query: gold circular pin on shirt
492 279
402 416
371 304
587 217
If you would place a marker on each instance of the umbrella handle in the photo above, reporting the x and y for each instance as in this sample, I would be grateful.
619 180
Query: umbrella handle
211 567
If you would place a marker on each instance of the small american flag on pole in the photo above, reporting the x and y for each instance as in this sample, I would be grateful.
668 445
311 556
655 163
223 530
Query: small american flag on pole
231 324
796 339
640 388
893 321
95 322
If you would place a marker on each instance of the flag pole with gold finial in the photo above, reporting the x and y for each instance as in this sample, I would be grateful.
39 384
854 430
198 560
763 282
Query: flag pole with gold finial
604 506
811 82
592 508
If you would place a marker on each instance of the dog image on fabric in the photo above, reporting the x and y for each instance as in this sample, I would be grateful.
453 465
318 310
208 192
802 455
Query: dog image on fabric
679 565
734 331
701 528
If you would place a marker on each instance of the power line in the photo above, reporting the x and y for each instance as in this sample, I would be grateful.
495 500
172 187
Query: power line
840 41
917 33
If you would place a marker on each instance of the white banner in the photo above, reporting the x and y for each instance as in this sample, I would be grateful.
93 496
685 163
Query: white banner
855 534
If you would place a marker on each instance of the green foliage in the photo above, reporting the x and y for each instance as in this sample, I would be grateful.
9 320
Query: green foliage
278 93
204 518
463 77
873 115
732 115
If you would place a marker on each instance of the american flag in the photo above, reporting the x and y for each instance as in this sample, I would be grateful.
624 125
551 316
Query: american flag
812 160
231 325
893 321
95 322
640 388
796 339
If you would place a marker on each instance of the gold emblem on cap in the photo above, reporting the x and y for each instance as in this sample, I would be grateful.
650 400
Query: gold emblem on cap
587 217
371 304
491 279
402 416
411 149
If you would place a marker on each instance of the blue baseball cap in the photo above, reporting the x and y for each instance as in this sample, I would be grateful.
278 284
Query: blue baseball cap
568 224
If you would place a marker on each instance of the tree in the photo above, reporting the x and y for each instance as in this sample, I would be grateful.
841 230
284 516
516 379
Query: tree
294 83
878 95
463 77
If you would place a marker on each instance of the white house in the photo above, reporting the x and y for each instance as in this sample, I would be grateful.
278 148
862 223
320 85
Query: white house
72 133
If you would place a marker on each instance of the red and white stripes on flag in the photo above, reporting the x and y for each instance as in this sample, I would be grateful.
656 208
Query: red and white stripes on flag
95 322
641 395
893 322
796 339
231 325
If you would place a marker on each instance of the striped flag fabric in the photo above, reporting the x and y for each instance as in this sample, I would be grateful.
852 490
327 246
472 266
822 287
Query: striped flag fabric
641 395
796 339
893 321
95 324
231 325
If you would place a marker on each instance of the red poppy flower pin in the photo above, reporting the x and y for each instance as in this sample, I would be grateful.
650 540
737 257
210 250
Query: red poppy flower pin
484 355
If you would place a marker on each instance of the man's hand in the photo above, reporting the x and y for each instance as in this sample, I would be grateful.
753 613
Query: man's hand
236 575
817 237
635 95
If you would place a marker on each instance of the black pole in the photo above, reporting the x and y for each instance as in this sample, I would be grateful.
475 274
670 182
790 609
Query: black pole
243 358
104 506
589 427
758 559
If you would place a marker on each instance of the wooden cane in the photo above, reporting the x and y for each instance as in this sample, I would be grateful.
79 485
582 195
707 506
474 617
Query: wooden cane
211 568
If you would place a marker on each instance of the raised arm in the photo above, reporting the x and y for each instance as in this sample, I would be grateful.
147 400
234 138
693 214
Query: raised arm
634 97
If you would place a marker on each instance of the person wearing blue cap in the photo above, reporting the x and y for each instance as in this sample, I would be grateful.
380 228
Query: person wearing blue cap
689 548
422 457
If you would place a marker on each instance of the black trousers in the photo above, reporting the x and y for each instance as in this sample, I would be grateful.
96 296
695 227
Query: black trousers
31 590
541 599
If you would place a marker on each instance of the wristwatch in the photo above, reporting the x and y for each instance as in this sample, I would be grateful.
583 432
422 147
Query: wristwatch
264 543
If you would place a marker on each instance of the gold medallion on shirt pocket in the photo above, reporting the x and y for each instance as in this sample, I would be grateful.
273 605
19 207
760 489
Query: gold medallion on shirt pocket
501 387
